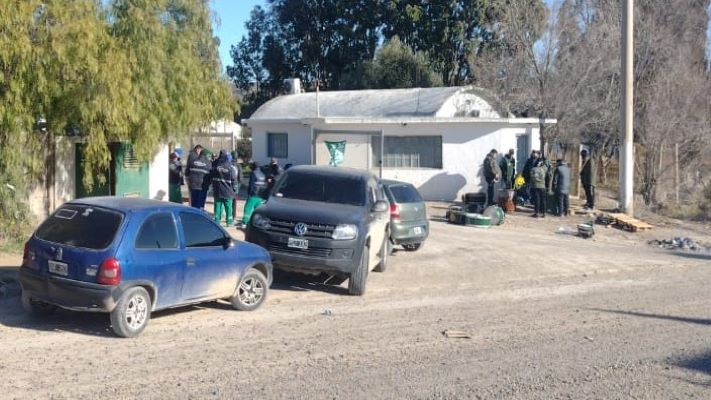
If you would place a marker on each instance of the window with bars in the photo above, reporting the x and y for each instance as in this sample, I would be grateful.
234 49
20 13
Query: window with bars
278 145
409 152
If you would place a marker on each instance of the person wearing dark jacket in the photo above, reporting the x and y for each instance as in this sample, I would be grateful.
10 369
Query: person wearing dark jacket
587 179
197 170
257 180
223 181
492 174
530 163
175 179
561 187
508 169
237 169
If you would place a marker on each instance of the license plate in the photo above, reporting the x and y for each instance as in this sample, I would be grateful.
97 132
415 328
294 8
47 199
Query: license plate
418 230
58 268
298 243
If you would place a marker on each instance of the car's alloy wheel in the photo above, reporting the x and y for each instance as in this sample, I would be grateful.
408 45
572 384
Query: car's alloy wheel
251 291
131 314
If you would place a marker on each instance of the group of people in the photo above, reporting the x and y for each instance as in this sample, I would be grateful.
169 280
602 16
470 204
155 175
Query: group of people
223 173
540 180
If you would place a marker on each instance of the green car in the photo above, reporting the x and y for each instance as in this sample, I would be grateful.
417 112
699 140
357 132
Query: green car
409 226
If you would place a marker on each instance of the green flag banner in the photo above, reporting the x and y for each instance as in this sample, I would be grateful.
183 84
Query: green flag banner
337 151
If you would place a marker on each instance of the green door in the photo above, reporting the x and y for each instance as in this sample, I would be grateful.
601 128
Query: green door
130 176
126 177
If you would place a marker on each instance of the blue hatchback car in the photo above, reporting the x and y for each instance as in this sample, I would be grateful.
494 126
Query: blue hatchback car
130 257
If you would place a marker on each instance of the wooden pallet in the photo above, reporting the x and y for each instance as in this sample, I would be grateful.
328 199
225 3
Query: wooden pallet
630 224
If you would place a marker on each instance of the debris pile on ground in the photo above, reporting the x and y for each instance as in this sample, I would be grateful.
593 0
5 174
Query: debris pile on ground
679 243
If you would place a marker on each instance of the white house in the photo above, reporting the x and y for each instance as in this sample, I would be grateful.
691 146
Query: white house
434 138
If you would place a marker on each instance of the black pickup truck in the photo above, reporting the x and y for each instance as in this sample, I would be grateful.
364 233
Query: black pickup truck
325 219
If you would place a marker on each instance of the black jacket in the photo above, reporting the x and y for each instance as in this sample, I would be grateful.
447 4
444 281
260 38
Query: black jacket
198 167
176 172
223 179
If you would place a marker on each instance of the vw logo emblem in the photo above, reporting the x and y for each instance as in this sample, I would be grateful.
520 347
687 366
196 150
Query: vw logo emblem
300 229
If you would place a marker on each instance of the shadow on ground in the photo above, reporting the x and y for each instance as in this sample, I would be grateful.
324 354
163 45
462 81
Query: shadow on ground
98 324
698 321
294 282
699 363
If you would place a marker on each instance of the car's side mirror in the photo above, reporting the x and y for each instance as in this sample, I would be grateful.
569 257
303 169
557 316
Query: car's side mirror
228 242
381 206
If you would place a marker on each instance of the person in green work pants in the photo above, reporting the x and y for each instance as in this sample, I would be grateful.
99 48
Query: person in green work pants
223 178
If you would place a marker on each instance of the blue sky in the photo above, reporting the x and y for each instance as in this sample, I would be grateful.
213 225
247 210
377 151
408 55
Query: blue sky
229 25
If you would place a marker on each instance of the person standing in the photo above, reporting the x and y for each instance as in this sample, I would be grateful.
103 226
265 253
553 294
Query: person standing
588 175
223 180
530 163
257 180
508 169
197 170
538 189
561 187
175 179
492 174
237 169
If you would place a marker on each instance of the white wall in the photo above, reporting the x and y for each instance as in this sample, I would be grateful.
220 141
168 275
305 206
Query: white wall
299 139
464 147
158 172
467 102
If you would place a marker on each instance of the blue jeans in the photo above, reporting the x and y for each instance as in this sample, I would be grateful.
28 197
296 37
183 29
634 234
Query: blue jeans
197 198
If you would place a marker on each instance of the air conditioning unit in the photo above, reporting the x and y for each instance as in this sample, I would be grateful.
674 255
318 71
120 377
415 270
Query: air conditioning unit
292 86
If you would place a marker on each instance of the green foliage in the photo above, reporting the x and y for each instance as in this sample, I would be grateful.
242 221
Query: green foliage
395 66
334 42
142 71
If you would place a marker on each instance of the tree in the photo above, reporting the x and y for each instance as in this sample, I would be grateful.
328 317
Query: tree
395 66
124 70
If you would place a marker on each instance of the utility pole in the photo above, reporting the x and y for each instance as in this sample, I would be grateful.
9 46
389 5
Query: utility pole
627 111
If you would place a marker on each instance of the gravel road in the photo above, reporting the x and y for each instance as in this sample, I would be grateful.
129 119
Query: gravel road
549 315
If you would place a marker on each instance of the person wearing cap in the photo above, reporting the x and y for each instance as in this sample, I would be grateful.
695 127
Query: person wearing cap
561 187
175 179
587 179
223 178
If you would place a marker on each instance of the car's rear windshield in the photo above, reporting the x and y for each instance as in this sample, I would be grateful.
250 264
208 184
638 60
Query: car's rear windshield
81 226
323 188
405 194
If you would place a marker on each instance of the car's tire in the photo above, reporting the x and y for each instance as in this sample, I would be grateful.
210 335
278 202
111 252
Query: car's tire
37 308
132 312
412 246
251 291
357 280
385 251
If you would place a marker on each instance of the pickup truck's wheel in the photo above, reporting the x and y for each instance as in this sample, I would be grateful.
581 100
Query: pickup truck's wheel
356 282
385 251
251 292
36 308
131 315
412 246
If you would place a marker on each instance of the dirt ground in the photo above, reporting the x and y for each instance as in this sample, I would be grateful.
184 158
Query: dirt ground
549 315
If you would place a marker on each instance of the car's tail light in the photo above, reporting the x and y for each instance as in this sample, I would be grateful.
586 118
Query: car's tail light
109 272
394 212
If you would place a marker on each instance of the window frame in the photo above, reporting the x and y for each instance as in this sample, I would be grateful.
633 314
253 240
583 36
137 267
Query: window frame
376 156
185 238
140 230
270 150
